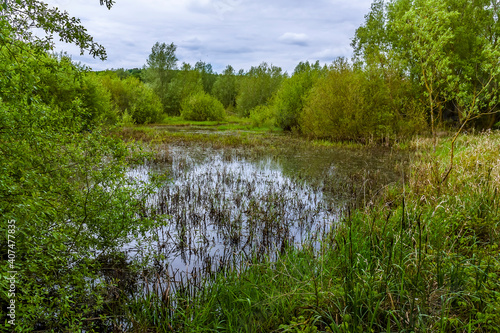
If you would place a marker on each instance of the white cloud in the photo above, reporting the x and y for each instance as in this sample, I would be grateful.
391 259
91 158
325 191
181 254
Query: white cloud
241 33
294 39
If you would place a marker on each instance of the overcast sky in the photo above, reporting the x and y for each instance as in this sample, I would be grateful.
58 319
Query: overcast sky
240 33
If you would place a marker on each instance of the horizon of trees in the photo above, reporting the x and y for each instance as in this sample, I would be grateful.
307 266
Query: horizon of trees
418 65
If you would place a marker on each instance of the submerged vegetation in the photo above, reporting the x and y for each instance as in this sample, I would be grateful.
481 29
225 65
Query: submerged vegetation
339 198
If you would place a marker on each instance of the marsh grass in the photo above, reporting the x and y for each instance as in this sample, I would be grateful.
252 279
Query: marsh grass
423 257
227 136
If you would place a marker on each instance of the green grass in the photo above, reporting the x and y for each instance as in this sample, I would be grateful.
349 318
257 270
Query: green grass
422 259
231 123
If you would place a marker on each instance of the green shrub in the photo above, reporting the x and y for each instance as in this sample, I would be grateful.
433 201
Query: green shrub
97 100
333 108
201 107
289 99
65 197
133 98
354 104
61 84
262 116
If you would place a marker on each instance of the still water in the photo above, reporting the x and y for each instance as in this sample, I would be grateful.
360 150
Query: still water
225 206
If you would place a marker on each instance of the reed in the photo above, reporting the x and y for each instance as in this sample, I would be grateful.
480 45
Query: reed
422 257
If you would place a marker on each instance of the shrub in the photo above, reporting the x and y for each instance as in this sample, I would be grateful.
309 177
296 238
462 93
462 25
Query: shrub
97 100
262 116
61 84
65 196
201 106
354 104
333 108
133 98
289 99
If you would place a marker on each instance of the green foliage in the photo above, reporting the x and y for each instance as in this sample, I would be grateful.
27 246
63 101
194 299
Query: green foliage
352 104
225 88
202 106
160 71
60 84
262 116
24 16
257 87
444 47
333 109
186 83
207 75
132 98
63 185
288 101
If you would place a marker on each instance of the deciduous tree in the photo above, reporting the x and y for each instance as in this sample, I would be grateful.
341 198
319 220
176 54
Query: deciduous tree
160 71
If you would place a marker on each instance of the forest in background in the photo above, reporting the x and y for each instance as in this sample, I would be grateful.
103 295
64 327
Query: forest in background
417 67
425 259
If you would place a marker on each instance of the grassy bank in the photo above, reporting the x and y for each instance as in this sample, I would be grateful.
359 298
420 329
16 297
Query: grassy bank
237 133
423 259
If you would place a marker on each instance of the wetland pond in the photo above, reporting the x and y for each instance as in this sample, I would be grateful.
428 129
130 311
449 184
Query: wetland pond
229 206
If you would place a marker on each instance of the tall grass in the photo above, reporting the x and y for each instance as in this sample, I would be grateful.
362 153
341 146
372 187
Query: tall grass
422 259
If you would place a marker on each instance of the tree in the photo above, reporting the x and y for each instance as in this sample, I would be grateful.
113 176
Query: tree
132 98
207 74
187 82
65 199
353 103
26 15
257 87
288 101
225 87
371 41
428 23
333 109
160 71
448 48
438 45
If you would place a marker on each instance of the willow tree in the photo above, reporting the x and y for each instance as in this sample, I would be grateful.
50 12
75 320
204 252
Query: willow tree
160 71
447 48
438 45
427 26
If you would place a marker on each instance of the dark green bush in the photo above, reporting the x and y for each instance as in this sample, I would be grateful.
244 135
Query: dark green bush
133 98
201 106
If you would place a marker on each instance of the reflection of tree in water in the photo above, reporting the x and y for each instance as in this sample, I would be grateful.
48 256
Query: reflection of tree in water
227 204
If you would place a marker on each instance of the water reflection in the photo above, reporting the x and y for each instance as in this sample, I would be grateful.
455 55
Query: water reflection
225 207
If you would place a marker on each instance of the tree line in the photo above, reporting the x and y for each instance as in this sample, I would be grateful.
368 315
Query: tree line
418 66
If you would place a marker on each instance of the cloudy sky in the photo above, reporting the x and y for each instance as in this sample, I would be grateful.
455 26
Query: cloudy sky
240 33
